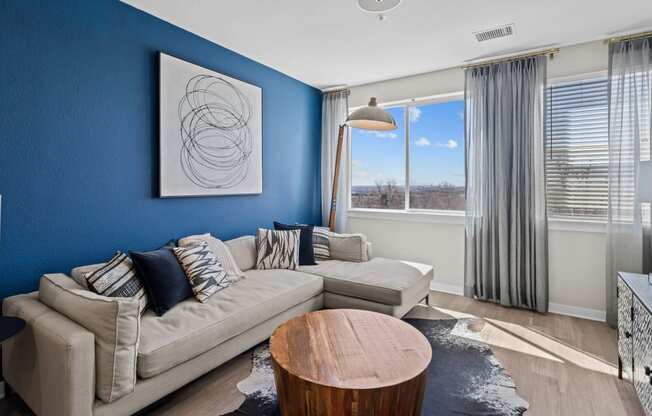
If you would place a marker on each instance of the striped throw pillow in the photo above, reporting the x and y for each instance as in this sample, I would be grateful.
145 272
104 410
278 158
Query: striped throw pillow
277 249
320 243
205 274
117 278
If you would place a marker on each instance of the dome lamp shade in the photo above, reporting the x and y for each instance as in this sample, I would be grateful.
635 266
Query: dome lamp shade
371 117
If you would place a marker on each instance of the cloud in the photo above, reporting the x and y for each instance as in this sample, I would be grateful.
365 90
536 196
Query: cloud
386 135
461 115
415 114
380 134
355 163
422 142
450 144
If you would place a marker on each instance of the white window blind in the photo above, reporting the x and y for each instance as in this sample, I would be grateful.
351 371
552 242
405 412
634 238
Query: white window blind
577 149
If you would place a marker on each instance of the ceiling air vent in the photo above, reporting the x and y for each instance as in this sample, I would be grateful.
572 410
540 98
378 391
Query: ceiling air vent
495 32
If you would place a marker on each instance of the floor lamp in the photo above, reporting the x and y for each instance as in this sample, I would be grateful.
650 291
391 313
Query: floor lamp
370 117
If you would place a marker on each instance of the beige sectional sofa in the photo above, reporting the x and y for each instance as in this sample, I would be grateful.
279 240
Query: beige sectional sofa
57 364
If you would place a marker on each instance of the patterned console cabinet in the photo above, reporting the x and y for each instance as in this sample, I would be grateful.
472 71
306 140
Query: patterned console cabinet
635 335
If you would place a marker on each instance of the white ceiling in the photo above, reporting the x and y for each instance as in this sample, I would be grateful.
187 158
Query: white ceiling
331 42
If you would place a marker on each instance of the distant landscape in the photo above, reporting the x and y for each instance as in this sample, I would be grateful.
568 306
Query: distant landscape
389 195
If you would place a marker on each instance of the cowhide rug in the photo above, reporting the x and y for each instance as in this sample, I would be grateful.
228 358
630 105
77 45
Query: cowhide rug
464 377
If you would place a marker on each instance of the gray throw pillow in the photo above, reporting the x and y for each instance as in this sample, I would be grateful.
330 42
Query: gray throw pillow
348 247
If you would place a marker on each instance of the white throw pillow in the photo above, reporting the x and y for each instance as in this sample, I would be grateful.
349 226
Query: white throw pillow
205 274
220 251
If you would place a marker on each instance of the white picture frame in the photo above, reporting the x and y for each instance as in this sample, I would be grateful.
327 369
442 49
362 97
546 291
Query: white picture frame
210 136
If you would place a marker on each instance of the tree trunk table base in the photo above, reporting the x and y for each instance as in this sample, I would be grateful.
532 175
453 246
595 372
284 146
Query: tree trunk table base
349 362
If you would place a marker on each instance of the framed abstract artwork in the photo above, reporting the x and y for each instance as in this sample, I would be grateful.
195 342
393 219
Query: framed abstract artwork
210 132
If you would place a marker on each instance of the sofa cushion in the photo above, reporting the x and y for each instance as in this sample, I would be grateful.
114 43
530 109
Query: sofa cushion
243 250
380 280
191 328
114 322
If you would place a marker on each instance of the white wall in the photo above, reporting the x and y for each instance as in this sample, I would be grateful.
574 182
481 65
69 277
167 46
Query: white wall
576 250
572 60
576 274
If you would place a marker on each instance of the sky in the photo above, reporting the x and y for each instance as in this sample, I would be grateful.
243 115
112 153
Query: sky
436 147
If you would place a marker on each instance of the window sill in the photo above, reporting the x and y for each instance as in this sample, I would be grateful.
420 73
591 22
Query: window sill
422 216
457 217
585 226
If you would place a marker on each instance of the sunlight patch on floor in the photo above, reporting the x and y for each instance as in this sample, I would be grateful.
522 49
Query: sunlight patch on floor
519 338
507 332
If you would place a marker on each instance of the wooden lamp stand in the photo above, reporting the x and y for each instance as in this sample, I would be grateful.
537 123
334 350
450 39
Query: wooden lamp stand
370 117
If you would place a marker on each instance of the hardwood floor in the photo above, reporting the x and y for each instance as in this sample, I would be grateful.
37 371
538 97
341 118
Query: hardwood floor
561 365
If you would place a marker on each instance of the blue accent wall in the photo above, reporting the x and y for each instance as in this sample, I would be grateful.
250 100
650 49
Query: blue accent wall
79 139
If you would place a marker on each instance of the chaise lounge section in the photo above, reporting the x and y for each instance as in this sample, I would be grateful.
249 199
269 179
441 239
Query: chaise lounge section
53 364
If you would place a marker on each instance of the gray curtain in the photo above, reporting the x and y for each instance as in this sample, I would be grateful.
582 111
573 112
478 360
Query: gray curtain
334 111
506 240
630 103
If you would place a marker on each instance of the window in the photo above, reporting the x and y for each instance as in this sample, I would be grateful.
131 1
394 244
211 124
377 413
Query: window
378 166
424 155
577 158
437 156
420 166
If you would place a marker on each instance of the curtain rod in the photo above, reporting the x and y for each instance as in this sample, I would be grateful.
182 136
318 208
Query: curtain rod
630 37
550 51
335 89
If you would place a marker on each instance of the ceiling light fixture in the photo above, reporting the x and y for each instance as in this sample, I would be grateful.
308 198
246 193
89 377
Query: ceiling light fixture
378 7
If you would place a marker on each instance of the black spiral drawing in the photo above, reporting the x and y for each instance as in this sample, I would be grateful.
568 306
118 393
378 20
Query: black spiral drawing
216 141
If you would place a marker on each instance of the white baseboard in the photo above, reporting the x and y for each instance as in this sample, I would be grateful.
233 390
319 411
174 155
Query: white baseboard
577 312
574 311
2 390
445 288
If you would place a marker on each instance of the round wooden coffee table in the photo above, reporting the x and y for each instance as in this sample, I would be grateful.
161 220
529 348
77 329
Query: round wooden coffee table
349 362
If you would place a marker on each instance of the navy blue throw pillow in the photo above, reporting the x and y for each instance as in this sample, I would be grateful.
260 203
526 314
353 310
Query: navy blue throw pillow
164 280
306 251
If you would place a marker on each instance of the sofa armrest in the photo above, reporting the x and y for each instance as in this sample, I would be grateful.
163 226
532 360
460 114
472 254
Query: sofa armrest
369 250
51 363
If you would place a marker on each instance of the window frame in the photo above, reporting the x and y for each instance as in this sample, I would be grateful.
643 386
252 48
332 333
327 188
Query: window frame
422 213
458 217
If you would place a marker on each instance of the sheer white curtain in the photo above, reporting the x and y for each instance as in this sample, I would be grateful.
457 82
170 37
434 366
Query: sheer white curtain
334 111
630 106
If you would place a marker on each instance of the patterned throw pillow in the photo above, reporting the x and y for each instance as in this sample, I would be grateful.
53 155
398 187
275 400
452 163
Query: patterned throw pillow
277 249
205 274
306 249
117 278
221 252
320 243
